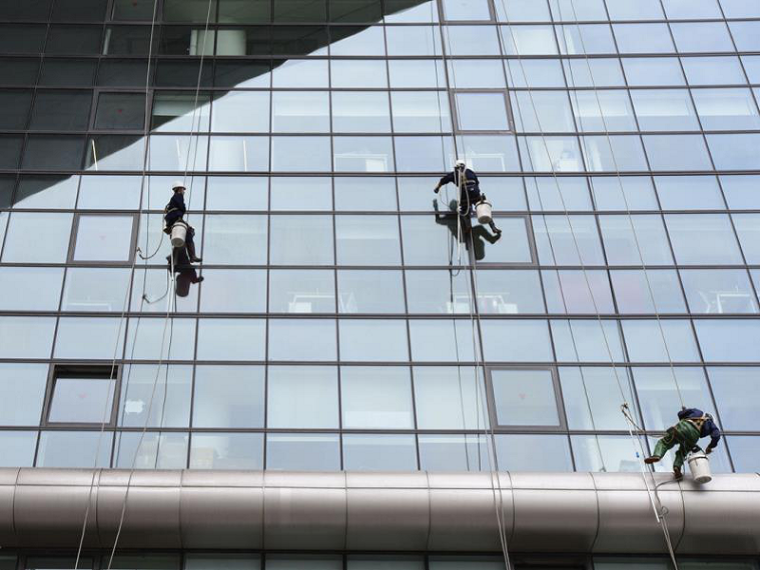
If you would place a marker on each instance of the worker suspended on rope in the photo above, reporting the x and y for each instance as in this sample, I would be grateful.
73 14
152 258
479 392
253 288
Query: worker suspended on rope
470 196
173 214
693 424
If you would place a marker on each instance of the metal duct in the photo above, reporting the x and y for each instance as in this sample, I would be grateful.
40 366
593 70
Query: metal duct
416 511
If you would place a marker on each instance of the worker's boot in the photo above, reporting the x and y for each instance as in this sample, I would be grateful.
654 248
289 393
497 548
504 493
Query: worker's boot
494 229
652 459
677 473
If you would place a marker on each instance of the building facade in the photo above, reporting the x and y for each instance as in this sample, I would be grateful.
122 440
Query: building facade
342 319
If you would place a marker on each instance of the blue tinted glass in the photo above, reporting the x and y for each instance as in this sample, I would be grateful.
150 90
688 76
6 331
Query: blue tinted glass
746 35
660 341
728 340
731 385
587 341
643 10
740 192
689 193
719 70
376 398
585 39
514 453
723 109
745 451
516 341
718 291
653 71
302 339
748 228
643 38
607 453
303 452
702 37
302 397
735 151
677 152
650 291
703 239
373 341
379 452
658 392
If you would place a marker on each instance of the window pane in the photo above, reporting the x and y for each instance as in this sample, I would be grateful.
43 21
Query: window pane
149 339
103 238
301 240
616 111
420 111
356 112
300 73
81 400
157 450
26 337
740 192
524 397
716 291
701 37
358 73
364 193
368 240
18 451
624 193
502 292
370 292
653 71
226 451
61 111
30 288
592 397
515 452
228 397
577 292
234 291
241 112
302 397
689 193
728 340
379 452
301 291
703 239
231 339
236 239
74 449
644 340
653 291
22 392
109 193
745 451
731 385
236 193
516 341
51 237
376 398
610 453
303 111
156 398
302 339
528 40
363 154
441 292
303 452
637 239
442 340
614 153
449 398
665 110
373 341
542 111
559 240
721 70
642 38
658 394
735 151
747 228
482 112
412 40
301 154
413 73
587 341
88 338
724 109
453 453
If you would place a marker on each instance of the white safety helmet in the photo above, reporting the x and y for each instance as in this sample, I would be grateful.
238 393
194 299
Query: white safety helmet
177 184
459 164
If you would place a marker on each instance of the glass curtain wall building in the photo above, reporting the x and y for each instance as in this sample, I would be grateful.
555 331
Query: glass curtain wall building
333 329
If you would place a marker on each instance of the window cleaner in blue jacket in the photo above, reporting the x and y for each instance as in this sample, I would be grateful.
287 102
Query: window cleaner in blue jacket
693 424
464 178
173 213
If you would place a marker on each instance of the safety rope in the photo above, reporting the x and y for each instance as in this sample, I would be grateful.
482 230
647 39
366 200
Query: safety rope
95 473
489 432
659 513
659 510
619 178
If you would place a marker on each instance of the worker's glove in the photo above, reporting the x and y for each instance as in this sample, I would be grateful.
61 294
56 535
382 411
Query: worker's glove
708 451
436 189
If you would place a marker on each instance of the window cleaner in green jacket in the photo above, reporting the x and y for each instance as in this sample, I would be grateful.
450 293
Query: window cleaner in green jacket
693 424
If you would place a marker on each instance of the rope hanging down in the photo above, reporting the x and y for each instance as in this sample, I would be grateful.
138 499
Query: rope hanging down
145 206
659 512
489 433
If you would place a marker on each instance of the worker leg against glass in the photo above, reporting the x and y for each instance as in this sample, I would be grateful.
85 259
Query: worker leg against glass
190 245
685 435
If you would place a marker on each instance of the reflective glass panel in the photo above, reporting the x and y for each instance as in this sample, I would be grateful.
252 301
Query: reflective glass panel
22 391
302 397
74 449
227 451
103 238
717 291
81 400
156 398
303 452
370 292
376 398
524 397
379 452
228 397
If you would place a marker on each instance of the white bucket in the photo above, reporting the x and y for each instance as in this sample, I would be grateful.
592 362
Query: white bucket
483 210
699 465
179 233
